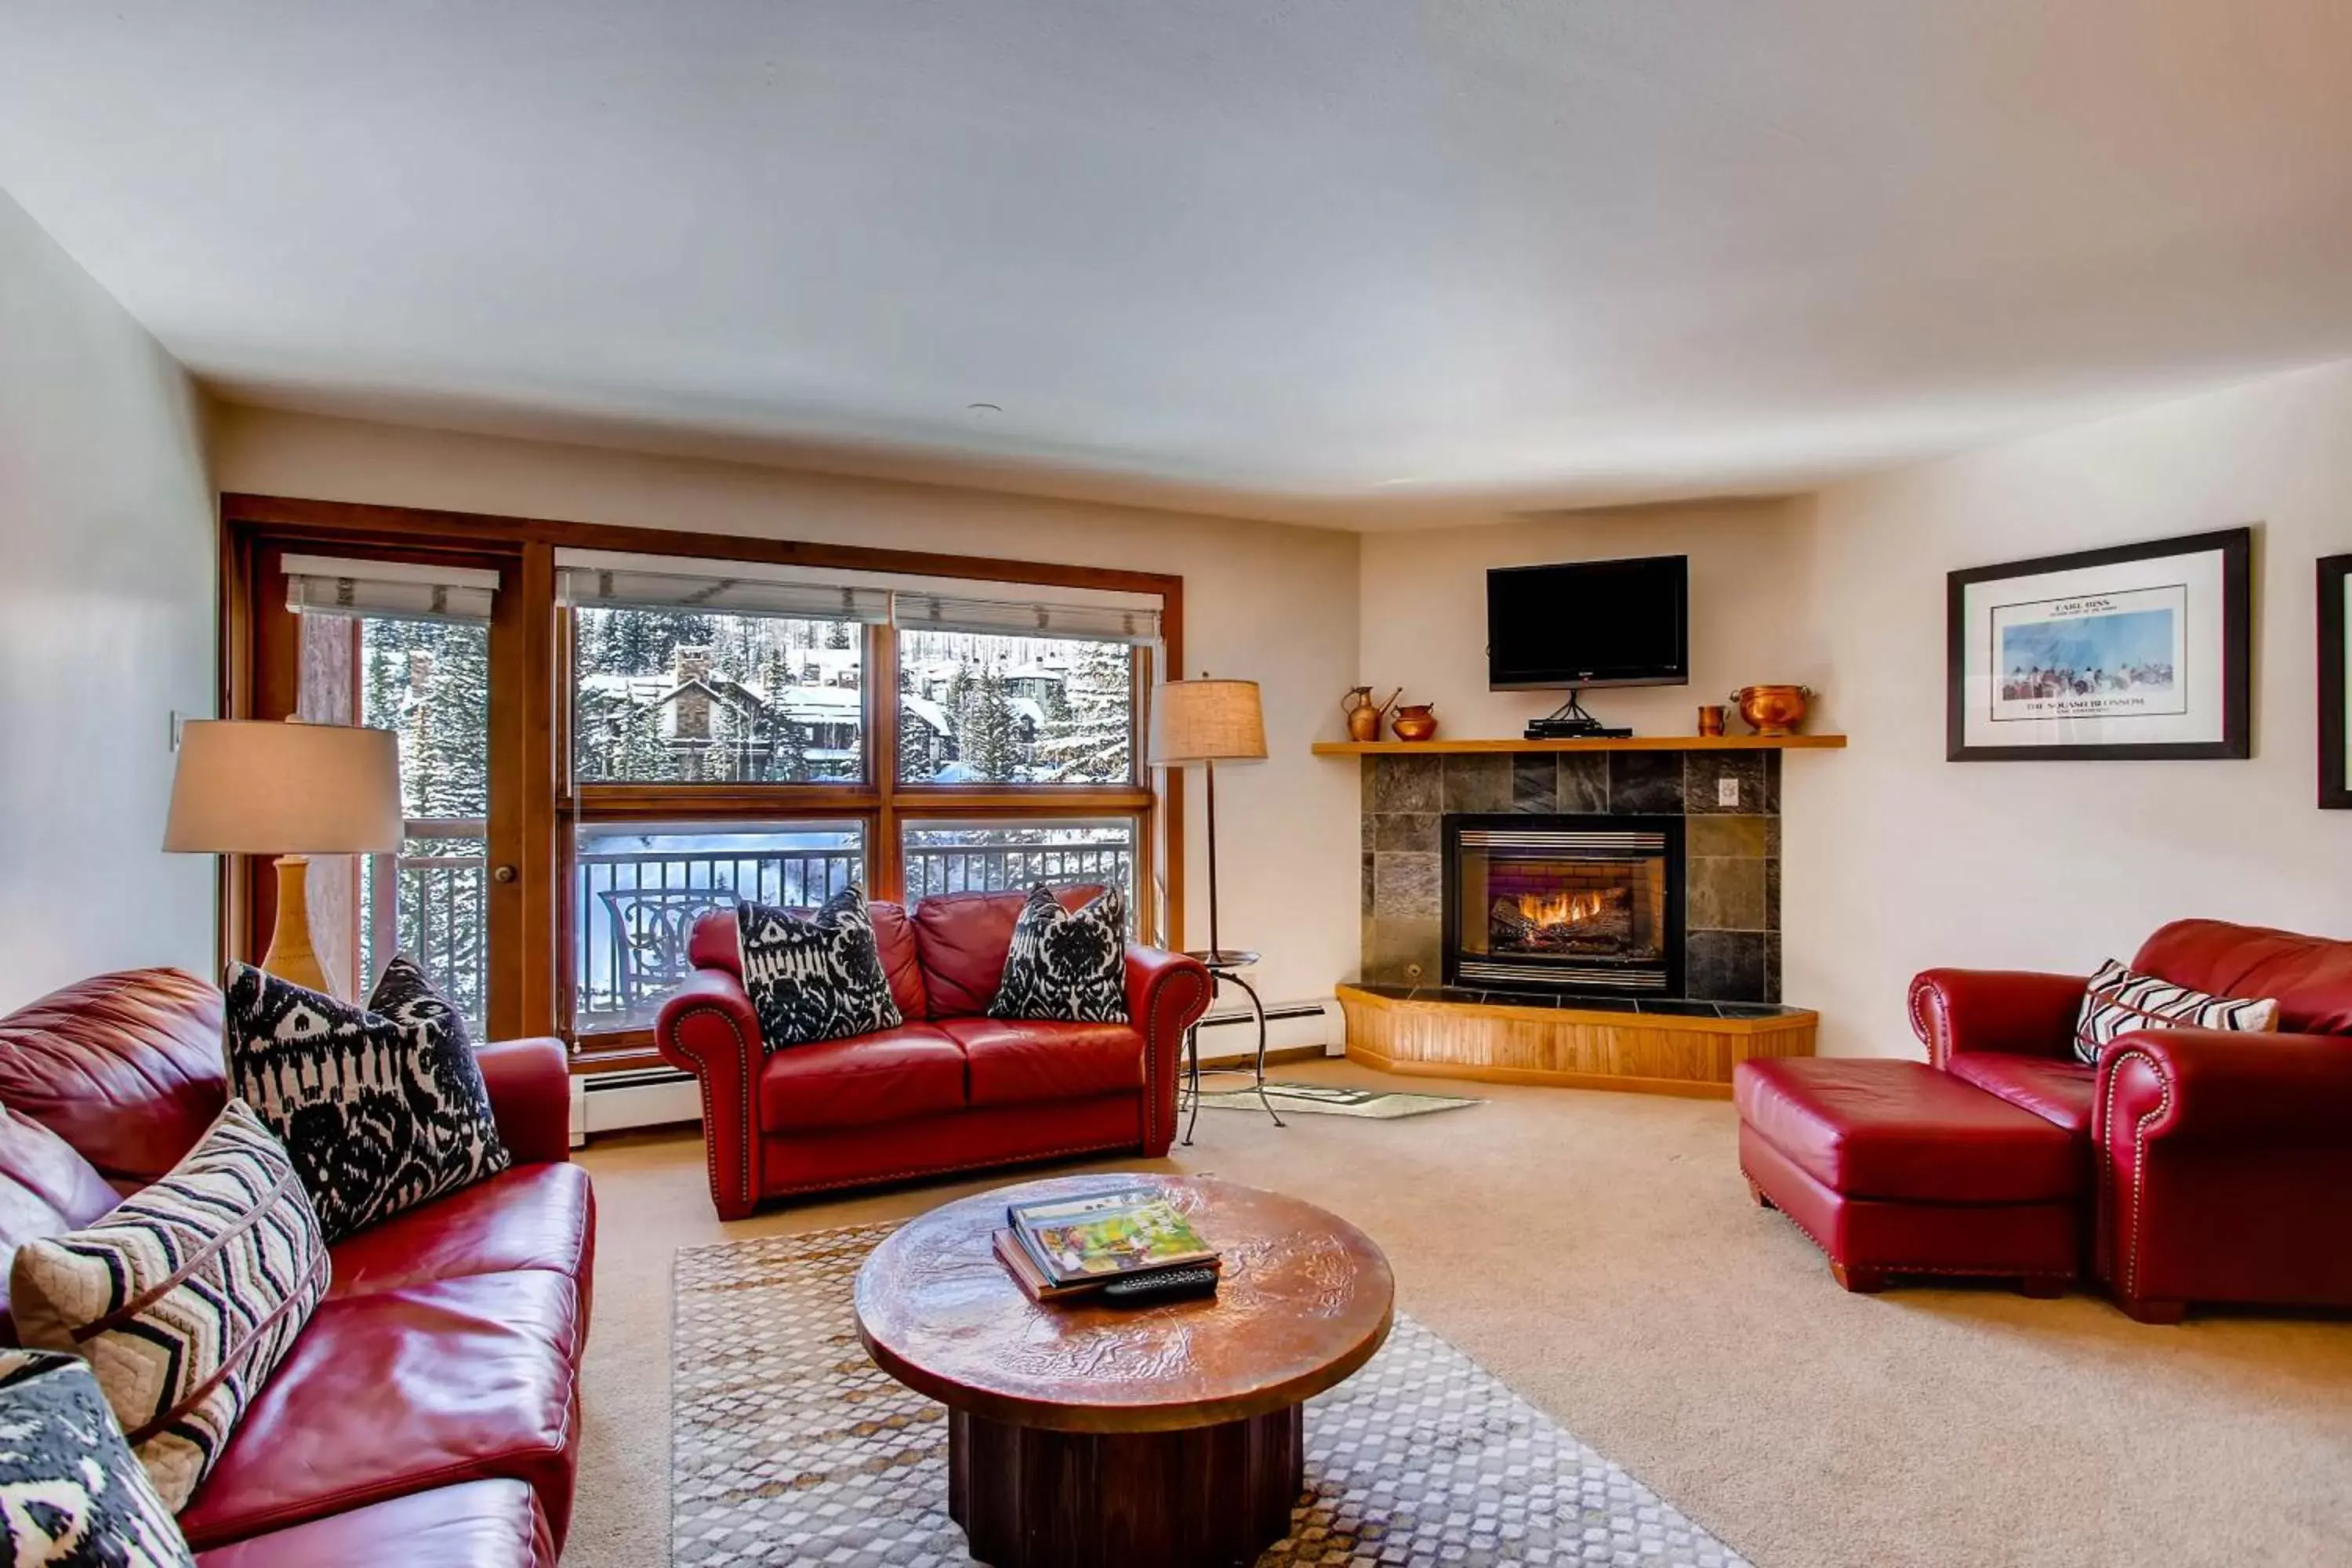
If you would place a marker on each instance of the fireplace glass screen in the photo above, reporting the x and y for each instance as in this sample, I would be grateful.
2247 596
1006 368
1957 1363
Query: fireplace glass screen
1568 908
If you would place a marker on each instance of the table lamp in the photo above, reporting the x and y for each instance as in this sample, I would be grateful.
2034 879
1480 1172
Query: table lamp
1207 722
292 790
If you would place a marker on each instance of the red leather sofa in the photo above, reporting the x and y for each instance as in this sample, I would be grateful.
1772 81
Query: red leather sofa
950 1088
2208 1166
429 1415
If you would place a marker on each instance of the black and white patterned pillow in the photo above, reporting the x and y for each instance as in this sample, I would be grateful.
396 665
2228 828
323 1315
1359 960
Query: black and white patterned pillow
70 1494
814 977
383 1108
2119 1002
185 1297
1068 964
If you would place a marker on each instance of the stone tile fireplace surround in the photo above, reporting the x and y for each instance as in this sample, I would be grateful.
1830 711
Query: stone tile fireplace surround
1731 882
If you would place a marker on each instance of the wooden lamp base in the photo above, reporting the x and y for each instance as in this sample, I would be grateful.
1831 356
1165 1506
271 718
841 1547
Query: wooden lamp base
290 956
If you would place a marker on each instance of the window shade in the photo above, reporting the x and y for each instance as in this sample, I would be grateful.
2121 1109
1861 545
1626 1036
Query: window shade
591 578
390 590
1027 618
659 582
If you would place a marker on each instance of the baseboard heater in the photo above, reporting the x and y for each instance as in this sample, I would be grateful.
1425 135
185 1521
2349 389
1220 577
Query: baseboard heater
642 1097
1229 1035
662 1095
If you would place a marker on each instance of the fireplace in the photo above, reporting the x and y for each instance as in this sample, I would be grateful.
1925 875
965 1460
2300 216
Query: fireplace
1578 905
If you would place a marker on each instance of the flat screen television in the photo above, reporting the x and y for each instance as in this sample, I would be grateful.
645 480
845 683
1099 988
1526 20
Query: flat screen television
1588 622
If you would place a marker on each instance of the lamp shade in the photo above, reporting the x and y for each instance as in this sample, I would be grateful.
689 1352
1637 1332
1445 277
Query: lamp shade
1206 721
255 787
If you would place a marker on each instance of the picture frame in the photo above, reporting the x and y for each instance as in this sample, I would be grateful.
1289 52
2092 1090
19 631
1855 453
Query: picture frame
2139 652
2334 684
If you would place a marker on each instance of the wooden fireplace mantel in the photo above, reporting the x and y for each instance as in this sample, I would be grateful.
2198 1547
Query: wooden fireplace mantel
1618 743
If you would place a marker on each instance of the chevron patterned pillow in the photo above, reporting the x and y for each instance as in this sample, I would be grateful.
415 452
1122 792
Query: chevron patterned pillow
70 1493
185 1297
2119 1002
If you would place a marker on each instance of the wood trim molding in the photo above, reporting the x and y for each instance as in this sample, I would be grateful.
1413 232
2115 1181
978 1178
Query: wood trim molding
476 529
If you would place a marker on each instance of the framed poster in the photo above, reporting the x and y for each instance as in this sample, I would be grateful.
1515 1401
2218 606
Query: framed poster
2334 683
2140 651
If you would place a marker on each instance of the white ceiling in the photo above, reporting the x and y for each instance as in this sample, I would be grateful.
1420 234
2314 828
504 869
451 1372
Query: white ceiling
1359 262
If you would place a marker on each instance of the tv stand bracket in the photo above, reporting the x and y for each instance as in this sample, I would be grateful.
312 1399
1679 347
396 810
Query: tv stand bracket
1570 721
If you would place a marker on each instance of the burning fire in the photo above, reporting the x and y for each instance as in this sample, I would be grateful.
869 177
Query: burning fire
1561 909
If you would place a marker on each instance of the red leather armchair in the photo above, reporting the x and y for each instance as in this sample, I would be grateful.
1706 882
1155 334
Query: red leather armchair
950 1088
2221 1159
428 1415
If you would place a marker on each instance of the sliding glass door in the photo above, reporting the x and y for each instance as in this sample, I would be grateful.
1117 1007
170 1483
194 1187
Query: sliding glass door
405 644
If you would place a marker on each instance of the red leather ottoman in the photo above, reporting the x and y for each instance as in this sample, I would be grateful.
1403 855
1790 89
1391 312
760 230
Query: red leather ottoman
1895 1168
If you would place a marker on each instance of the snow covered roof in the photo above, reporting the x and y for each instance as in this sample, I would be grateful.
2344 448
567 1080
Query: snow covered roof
928 711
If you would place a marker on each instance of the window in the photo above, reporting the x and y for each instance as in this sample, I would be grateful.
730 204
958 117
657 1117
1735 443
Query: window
986 708
1000 855
639 887
682 697
747 718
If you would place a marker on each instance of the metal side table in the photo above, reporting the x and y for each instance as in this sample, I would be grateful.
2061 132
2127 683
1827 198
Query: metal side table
1226 964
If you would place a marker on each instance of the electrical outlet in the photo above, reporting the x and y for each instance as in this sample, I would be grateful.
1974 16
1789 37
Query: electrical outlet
1727 792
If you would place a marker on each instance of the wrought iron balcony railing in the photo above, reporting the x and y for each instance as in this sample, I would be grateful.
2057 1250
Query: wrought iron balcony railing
633 910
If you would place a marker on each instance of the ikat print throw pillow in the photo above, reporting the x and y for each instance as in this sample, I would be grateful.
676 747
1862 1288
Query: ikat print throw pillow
814 977
382 1108
70 1494
1066 964
2120 1003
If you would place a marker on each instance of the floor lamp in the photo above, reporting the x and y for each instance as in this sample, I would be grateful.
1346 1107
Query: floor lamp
1211 722
1207 722
251 787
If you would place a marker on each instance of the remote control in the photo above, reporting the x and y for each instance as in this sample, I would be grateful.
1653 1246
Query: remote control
1150 1289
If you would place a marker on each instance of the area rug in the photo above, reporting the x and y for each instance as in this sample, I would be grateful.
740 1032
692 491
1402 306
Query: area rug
790 1445
1332 1100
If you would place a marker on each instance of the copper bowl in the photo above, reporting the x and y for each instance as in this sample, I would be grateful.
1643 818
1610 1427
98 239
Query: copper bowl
1414 722
1772 709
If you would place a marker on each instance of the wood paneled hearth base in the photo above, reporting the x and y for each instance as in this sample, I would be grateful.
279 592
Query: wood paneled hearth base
1651 1052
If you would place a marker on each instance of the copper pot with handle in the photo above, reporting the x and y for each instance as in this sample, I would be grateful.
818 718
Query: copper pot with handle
1772 709
1415 721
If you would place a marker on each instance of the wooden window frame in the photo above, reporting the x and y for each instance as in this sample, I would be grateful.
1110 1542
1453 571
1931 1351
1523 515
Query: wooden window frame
532 717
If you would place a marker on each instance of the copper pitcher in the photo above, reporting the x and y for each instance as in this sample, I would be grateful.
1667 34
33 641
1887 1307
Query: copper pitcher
1415 721
1364 715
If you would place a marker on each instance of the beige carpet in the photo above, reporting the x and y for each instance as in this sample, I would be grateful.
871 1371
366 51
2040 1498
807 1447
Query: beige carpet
1599 1254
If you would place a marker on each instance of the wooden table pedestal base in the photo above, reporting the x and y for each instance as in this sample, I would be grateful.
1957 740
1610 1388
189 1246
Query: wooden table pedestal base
1203 1497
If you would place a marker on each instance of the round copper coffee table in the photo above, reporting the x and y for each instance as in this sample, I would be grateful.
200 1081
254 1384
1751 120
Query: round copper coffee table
1085 1435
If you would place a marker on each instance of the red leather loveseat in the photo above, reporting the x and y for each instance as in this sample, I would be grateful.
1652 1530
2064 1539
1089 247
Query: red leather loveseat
950 1088
428 1417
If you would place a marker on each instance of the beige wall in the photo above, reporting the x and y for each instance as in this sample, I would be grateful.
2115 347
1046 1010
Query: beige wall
1273 603
106 626
1896 859
1425 611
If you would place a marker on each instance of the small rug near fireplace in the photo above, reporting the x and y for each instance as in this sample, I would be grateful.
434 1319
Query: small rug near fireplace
1334 1100
790 1445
